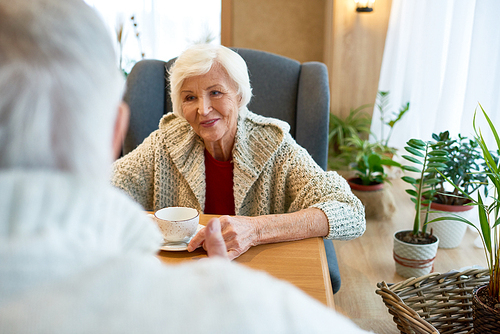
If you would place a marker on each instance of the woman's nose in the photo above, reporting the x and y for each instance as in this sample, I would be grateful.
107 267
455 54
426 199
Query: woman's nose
204 106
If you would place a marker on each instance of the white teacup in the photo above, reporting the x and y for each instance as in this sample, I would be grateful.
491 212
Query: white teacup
177 224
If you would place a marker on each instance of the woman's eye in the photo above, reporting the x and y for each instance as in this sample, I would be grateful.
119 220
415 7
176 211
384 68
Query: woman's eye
216 93
189 98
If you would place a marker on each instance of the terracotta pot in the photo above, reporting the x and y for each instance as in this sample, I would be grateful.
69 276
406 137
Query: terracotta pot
414 260
449 232
485 318
360 187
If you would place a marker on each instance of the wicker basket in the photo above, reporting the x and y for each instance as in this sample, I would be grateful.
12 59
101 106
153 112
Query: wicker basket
434 303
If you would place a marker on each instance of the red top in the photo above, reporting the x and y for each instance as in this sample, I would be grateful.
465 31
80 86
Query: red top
219 197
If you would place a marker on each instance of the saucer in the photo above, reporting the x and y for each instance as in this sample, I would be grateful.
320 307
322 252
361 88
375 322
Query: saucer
179 246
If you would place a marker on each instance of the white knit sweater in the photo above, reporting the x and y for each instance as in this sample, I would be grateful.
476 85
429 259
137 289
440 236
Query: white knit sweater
77 256
272 174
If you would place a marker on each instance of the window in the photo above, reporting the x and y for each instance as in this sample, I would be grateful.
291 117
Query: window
163 28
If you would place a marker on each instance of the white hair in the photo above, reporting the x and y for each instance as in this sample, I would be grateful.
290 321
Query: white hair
59 87
198 60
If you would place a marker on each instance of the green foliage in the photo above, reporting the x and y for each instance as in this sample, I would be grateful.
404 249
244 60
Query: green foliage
356 124
463 169
369 159
489 219
382 104
348 137
426 157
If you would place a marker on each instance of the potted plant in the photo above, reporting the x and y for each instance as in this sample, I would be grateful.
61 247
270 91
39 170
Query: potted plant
368 164
370 176
485 298
463 167
355 125
415 250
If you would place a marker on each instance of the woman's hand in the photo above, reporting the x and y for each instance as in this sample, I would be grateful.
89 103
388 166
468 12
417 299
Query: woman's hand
239 234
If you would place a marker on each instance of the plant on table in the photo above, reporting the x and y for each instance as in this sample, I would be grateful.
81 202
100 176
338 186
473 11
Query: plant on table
489 218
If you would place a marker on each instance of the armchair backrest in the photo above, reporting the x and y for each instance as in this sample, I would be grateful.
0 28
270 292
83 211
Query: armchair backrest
282 88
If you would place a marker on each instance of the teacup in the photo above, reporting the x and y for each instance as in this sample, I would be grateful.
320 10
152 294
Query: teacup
177 224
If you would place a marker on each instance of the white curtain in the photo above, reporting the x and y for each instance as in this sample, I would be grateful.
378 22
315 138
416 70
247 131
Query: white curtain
444 58
165 27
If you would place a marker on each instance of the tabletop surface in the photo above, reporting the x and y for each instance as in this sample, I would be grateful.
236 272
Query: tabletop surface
302 263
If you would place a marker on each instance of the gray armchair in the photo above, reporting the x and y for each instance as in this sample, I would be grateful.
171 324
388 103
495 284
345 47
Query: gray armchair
283 88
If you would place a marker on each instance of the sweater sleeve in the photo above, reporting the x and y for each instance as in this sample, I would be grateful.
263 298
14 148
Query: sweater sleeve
134 173
309 186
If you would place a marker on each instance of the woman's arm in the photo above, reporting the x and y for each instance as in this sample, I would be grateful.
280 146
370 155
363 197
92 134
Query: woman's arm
134 173
240 233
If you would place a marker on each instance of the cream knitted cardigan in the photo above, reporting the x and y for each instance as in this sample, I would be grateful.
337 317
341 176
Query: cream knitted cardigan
272 174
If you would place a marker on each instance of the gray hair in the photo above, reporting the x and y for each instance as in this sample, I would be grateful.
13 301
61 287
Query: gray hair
198 60
59 87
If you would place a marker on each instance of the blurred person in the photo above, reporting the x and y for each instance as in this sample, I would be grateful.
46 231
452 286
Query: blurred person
76 254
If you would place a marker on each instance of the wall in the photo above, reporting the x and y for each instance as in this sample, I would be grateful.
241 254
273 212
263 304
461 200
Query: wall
291 28
351 44
354 53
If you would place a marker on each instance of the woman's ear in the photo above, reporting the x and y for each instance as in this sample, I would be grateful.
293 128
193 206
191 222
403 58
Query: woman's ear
121 128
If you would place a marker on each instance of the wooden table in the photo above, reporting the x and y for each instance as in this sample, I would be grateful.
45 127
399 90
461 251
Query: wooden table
365 261
302 263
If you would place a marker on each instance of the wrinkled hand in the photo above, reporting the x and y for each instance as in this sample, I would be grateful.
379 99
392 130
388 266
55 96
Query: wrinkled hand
214 242
239 234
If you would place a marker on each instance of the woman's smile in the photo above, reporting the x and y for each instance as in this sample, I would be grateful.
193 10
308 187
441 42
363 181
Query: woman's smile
209 123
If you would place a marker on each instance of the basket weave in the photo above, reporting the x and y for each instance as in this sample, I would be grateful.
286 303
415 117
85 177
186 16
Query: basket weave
434 303
487 319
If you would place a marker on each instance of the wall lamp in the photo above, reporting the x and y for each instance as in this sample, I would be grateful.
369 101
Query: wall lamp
364 6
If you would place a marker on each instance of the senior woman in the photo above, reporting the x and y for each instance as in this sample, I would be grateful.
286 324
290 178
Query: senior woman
215 155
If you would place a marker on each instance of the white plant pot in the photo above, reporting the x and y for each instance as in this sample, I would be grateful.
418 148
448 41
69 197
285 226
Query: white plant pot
449 232
413 260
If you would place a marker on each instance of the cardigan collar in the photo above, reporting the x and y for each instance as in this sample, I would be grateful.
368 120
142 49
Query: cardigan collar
257 139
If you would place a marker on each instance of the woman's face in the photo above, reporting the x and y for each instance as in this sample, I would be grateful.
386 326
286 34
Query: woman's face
210 104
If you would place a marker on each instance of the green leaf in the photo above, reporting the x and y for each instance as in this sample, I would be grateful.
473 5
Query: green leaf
441 153
428 193
414 151
411 192
416 143
412 159
411 169
409 179
497 222
373 160
436 165
483 221
455 218
432 181
390 162
439 159
492 127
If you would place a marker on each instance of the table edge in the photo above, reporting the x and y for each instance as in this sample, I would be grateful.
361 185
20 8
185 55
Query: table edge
326 274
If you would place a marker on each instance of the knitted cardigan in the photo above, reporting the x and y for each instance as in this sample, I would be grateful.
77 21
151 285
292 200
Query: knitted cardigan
272 174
